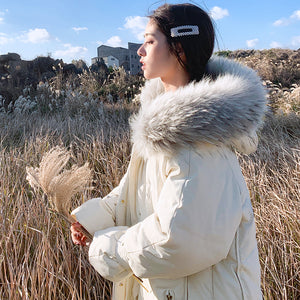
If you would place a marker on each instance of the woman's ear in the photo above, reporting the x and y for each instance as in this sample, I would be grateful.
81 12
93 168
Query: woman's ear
180 52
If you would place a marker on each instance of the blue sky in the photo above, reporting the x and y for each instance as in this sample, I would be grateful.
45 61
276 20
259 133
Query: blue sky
73 29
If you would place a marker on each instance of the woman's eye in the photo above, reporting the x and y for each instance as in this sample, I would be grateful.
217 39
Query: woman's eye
149 42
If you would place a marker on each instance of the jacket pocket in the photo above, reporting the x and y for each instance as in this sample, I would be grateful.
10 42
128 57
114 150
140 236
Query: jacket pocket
169 289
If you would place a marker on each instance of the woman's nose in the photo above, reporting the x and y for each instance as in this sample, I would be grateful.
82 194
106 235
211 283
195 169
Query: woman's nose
141 51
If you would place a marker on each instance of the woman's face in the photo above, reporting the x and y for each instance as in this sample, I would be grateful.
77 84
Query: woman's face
156 59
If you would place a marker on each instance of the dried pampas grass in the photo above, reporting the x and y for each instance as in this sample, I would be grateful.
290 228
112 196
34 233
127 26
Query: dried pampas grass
59 185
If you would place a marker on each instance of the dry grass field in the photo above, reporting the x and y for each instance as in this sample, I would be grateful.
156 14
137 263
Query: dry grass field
37 257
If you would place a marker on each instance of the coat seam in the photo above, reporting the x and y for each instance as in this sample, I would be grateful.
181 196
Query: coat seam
238 263
212 281
187 287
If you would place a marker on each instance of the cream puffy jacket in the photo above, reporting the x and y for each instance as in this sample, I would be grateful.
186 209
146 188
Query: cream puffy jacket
181 218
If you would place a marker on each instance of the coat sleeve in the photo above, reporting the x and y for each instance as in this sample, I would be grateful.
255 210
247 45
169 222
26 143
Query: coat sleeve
192 227
99 213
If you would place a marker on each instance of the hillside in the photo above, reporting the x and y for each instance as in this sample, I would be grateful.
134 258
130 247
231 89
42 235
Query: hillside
279 69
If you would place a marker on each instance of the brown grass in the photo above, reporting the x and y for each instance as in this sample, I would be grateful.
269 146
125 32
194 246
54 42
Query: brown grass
37 257
273 178
280 66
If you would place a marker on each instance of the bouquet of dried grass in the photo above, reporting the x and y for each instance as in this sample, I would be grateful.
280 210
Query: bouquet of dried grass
59 184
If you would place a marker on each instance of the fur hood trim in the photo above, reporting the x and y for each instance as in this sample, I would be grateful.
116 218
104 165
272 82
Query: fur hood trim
225 111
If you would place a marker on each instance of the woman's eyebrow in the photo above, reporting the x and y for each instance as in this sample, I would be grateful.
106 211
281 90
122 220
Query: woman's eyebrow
149 33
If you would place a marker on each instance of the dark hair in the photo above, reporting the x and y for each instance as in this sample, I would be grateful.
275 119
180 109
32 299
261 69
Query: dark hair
197 48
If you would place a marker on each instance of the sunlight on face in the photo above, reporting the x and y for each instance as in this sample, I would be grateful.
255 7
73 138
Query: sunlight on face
156 59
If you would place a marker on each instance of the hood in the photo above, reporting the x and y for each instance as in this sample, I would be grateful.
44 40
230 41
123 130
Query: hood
224 111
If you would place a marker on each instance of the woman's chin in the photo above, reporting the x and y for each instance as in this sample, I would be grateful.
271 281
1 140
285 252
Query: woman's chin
149 76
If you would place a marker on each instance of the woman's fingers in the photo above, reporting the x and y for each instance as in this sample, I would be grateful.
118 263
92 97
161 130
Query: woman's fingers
76 226
78 237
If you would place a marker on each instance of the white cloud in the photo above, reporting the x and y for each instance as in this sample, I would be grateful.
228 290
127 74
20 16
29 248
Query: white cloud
218 13
71 52
114 41
136 25
280 22
296 41
252 43
35 36
77 29
295 16
275 45
2 13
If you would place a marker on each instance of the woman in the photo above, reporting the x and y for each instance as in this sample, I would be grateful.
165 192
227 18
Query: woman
181 218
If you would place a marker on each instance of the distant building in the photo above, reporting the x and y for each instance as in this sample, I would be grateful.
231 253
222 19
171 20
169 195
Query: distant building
126 58
111 61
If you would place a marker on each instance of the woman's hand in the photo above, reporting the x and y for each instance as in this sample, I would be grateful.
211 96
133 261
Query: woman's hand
78 237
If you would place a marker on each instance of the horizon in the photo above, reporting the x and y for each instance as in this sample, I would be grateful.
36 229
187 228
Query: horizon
70 30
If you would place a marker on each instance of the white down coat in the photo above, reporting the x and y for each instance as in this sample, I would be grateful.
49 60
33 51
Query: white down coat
181 218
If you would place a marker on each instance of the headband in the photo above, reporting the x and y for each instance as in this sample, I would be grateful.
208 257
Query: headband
184 30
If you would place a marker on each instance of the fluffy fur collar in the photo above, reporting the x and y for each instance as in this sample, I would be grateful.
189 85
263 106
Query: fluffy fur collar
225 111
